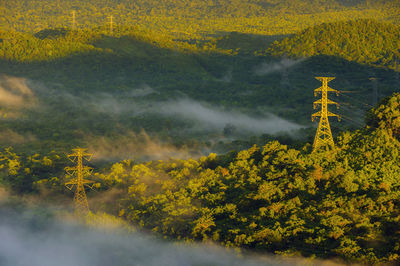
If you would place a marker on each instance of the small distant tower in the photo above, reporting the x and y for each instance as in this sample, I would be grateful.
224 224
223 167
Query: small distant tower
73 20
80 200
111 24
375 92
285 78
285 73
323 137
397 74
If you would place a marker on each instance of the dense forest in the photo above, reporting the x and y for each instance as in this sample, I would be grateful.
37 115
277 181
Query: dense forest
129 79
363 41
332 203
198 116
183 21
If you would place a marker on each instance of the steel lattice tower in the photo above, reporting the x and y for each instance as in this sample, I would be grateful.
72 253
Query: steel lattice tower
80 200
375 92
323 137
73 20
111 24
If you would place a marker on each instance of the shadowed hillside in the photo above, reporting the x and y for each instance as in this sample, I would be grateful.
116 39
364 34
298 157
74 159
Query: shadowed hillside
81 78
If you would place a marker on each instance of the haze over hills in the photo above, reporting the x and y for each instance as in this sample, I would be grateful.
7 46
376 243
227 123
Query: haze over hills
225 88
121 78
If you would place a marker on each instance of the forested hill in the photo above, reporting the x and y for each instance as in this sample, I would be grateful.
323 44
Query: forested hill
338 203
234 8
178 76
191 18
233 71
362 41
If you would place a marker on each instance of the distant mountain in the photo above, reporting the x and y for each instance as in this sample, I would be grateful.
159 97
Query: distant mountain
362 41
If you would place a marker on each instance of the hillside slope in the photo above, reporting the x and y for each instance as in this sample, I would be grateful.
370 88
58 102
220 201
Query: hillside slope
342 203
87 76
362 41
190 20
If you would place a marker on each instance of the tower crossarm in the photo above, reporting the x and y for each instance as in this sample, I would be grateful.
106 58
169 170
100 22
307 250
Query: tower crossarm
72 170
75 181
320 102
328 79
79 152
328 89
319 114
335 115
325 87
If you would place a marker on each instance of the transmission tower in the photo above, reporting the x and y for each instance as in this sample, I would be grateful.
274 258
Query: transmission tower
397 77
79 171
323 137
285 78
73 20
375 93
285 64
111 24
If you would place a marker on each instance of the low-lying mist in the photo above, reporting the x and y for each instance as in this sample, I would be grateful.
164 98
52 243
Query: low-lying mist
15 92
214 118
131 123
140 146
204 116
29 238
15 95
267 68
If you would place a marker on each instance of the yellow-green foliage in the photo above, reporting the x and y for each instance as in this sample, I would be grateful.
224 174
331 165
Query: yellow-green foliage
386 115
106 221
338 203
27 173
343 202
18 46
363 41
183 23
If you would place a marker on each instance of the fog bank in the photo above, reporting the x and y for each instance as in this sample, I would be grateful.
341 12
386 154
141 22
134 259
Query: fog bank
138 146
28 239
15 92
267 68
217 118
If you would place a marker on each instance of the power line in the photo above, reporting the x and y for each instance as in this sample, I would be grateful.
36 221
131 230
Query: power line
357 100
354 122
